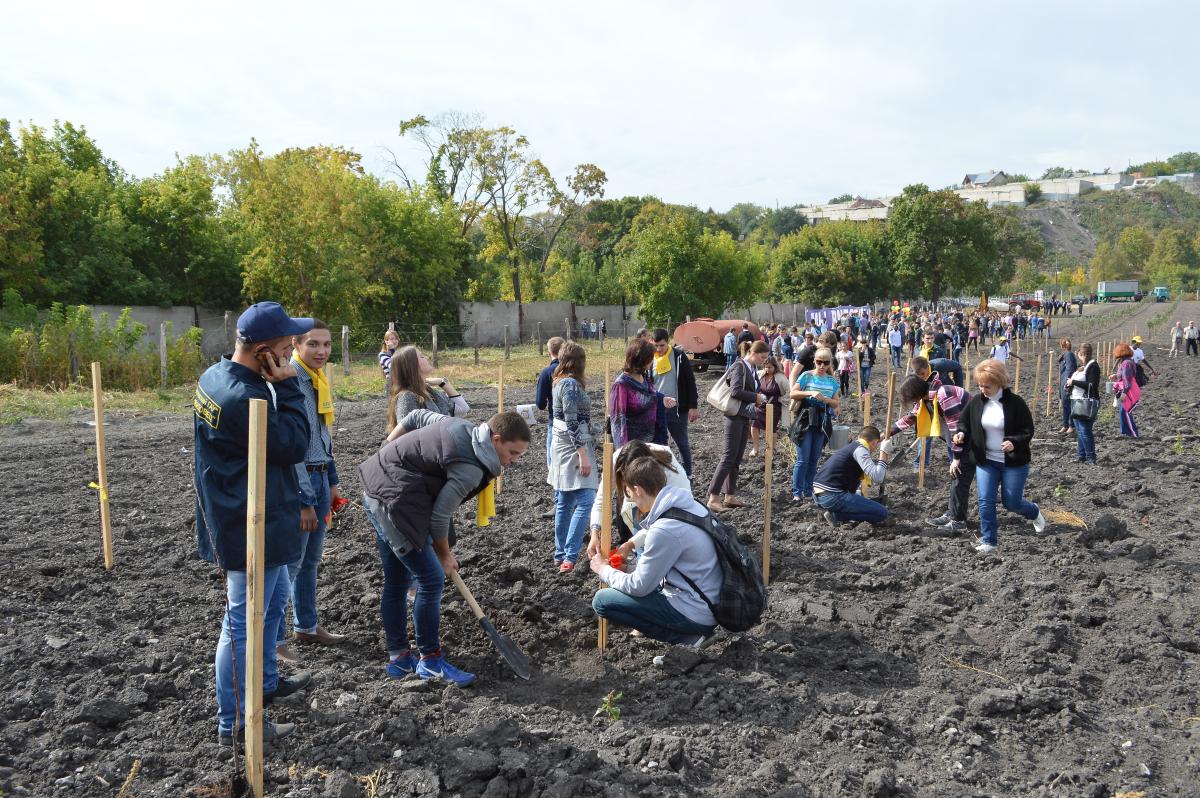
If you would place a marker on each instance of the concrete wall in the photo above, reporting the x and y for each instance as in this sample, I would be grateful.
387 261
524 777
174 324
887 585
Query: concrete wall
180 318
767 312
487 320
1009 194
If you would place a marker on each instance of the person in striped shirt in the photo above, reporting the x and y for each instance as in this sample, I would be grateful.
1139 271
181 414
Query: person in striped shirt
391 342
950 403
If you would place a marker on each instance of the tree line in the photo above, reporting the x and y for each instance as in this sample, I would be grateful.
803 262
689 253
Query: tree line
482 219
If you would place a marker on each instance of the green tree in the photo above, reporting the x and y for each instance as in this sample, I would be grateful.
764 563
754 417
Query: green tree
1173 262
1057 173
941 243
1135 245
1033 193
841 198
831 264
1109 263
676 268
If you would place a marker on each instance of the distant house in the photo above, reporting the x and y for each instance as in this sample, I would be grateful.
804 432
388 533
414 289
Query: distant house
984 179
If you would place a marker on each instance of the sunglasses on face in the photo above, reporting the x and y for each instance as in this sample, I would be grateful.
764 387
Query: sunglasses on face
822 362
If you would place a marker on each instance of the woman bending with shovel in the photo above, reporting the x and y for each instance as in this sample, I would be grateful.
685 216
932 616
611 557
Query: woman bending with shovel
411 488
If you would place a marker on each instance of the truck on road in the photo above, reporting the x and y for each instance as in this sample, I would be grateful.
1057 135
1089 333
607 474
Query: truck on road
1162 293
1115 290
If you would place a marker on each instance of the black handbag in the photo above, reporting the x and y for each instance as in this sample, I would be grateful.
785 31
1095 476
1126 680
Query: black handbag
1085 408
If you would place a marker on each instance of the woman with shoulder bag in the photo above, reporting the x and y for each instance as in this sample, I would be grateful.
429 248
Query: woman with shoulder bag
1125 386
1084 403
1067 365
742 377
815 394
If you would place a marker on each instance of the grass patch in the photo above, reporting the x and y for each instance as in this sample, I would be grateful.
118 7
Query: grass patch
365 380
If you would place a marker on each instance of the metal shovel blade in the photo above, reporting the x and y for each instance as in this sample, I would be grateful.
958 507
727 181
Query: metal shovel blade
511 652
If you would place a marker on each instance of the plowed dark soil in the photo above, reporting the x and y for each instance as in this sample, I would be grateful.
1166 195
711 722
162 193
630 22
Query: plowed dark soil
890 662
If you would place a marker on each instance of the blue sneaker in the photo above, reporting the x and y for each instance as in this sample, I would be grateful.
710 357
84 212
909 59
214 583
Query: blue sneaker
401 666
435 666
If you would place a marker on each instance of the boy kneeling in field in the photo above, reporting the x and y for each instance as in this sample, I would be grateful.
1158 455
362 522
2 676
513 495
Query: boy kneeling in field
660 598
835 488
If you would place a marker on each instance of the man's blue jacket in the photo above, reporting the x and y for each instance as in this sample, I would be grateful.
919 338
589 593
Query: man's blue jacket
222 424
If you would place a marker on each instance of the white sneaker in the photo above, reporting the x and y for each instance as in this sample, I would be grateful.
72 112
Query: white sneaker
1039 523
985 548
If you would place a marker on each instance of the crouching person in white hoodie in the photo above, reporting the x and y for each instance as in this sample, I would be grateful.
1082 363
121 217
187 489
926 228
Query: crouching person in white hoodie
655 598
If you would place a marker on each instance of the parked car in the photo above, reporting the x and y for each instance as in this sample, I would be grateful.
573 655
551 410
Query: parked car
1079 299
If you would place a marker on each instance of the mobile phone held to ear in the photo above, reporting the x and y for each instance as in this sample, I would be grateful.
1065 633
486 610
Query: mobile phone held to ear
264 356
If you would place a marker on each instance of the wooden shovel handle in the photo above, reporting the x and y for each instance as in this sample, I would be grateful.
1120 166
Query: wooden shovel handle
466 593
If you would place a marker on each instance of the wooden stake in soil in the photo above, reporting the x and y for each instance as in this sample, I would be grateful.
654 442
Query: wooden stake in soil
256 514
866 409
102 469
768 462
1049 379
606 487
890 401
500 409
1017 379
507 349
1037 375
922 447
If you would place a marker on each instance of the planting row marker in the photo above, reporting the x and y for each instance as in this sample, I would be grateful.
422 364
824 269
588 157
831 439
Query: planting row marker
768 461
102 469
256 507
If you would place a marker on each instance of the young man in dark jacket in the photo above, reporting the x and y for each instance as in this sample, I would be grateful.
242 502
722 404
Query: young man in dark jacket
542 397
411 489
835 488
258 369
674 379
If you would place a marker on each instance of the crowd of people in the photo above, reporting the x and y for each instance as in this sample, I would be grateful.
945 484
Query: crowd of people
665 573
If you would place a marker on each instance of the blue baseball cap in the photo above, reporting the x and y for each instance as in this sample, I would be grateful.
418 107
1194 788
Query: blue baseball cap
264 321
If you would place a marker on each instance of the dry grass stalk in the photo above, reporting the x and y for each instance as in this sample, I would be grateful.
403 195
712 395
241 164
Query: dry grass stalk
370 782
1065 518
133 773
954 663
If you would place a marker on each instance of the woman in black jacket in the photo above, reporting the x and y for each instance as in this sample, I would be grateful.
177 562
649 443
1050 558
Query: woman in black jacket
1084 383
743 382
1067 364
995 430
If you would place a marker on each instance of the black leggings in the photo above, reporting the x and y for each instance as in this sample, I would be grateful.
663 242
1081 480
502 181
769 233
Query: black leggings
845 378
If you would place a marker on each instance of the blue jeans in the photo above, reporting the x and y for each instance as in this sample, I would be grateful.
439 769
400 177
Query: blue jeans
1010 480
423 567
1125 420
231 691
572 510
866 378
897 351
303 572
808 454
1085 439
677 425
1064 394
652 615
851 507
729 359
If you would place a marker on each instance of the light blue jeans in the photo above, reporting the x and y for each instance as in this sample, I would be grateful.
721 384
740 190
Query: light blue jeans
303 572
808 454
572 510
1010 481
231 648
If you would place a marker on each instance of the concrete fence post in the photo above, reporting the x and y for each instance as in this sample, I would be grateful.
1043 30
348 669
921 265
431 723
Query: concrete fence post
162 354
346 349
434 346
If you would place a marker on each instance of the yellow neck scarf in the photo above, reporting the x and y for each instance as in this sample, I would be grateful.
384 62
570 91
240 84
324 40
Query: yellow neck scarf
321 386
662 363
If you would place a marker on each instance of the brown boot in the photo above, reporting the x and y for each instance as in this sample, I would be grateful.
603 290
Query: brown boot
321 637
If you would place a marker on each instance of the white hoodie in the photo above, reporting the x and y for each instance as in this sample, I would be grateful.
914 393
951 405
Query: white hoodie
674 547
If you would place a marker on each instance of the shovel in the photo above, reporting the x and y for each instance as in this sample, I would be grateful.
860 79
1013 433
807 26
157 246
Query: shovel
511 652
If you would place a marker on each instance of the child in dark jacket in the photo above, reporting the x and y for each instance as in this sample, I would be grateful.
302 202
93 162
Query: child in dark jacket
835 488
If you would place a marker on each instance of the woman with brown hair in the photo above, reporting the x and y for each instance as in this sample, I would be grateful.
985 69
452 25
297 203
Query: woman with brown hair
635 410
412 386
628 520
1126 387
573 474
1084 383
1067 365
743 381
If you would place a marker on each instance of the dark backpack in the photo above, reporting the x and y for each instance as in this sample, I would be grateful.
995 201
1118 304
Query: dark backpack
743 595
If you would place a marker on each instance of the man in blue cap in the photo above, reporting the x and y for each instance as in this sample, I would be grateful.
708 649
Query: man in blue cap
259 368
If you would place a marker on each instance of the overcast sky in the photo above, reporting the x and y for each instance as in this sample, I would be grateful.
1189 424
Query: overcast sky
703 103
